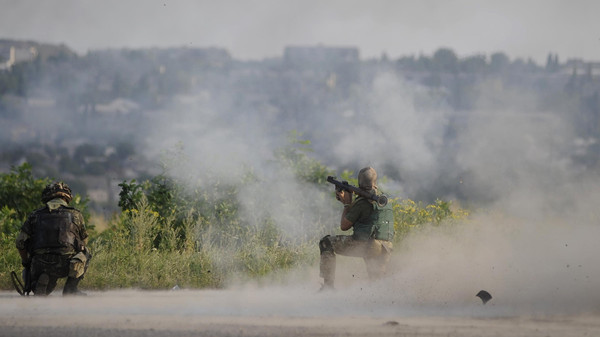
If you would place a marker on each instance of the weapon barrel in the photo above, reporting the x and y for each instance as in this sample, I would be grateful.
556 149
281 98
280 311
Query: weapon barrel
27 280
381 200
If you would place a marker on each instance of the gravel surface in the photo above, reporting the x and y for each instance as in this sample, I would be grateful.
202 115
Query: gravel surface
272 312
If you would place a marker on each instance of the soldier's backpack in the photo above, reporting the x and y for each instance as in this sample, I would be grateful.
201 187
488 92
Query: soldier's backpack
383 222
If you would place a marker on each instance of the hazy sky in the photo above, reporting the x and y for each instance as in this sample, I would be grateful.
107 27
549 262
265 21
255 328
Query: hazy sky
253 29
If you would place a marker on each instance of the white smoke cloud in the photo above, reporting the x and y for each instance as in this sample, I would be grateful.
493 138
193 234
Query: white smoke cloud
394 132
531 246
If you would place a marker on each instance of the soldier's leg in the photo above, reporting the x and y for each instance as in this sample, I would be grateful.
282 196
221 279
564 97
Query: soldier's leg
41 284
78 265
327 264
337 244
44 285
40 278
57 270
71 287
75 268
377 258
51 284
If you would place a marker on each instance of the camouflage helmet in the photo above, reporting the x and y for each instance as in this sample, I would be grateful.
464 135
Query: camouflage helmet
57 189
367 178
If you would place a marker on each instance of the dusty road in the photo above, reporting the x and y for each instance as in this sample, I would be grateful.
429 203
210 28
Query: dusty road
272 312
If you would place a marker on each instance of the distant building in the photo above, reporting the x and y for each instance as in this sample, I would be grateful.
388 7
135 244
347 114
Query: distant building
580 67
298 56
16 55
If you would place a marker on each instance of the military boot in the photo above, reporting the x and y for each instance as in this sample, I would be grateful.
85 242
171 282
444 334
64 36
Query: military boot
41 285
70 288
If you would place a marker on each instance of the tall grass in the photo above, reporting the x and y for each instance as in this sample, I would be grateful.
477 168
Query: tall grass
126 254
170 233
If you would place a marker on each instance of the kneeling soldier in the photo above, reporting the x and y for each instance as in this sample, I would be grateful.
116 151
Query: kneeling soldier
373 231
52 243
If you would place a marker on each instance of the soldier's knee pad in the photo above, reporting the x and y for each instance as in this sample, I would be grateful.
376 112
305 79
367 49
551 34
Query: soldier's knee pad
325 245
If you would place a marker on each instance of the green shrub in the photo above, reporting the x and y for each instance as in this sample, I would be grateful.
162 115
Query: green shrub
20 193
9 259
410 215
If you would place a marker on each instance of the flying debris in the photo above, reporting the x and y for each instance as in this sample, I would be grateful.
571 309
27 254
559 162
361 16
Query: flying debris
484 295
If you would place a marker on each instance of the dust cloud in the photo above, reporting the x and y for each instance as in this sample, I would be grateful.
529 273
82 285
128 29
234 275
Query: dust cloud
530 240
531 243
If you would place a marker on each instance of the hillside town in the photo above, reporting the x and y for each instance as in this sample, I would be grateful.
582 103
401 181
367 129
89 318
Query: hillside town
86 117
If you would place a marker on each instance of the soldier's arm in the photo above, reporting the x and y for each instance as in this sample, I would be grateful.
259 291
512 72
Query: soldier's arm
345 224
345 197
83 235
22 242
24 257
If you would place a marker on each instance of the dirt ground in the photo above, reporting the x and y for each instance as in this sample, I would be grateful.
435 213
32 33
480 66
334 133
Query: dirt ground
272 312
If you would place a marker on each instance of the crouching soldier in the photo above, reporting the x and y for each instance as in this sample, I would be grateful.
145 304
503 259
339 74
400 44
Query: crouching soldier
373 232
52 243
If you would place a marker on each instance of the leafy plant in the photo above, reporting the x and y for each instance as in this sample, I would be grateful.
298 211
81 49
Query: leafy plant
20 191
295 156
409 215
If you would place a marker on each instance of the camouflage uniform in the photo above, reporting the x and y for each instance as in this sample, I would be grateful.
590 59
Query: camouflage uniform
52 243
376 253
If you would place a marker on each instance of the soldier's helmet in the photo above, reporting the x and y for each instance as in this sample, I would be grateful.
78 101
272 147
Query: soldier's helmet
57 189
367 178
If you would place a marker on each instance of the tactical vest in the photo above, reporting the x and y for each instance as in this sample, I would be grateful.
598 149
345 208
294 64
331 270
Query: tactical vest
53 231
378 225
383 222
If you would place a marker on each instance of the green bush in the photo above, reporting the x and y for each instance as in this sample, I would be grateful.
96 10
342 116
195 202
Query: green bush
9 259
410 215
20 193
